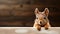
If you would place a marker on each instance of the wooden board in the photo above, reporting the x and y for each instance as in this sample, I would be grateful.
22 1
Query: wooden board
28 30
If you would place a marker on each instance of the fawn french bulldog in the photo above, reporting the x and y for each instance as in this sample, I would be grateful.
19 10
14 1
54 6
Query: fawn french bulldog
41 19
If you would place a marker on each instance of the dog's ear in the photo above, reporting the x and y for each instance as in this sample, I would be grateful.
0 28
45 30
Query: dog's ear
46 11
36 11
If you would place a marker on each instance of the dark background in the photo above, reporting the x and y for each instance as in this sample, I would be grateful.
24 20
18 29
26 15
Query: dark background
21 12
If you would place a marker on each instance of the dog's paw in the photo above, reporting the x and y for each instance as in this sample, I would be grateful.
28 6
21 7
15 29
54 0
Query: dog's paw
39 29
46 28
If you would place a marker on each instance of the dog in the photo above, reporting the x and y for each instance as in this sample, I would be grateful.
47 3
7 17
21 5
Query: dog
41 19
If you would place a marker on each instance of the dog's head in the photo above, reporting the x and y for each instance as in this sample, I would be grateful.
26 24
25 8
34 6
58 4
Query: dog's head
42 16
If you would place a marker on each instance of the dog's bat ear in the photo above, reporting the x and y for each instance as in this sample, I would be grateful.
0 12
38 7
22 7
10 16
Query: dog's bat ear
46 11
36 11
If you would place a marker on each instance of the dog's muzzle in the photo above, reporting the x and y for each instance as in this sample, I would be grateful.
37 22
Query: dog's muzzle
42 24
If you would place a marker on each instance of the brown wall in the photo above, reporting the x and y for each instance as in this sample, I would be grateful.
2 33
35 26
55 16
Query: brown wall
21 12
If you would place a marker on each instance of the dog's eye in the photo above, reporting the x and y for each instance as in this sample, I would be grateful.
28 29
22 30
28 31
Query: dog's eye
36 18
44 17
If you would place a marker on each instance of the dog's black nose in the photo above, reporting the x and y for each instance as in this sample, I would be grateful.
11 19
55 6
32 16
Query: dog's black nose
40 22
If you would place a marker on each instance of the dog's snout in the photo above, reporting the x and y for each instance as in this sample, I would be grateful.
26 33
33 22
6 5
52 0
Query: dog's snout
40 22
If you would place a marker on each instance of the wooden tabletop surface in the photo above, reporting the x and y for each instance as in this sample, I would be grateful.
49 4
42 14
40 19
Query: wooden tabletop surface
28 30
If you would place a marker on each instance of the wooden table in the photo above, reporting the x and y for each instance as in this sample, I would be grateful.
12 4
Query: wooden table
28 30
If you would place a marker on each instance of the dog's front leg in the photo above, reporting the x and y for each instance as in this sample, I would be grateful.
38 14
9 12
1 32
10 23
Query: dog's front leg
47 26
38 27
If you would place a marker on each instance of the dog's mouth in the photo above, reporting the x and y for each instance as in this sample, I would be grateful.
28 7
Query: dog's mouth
42 23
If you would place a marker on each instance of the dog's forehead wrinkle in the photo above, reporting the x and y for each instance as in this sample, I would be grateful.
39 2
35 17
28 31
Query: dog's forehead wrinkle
41 15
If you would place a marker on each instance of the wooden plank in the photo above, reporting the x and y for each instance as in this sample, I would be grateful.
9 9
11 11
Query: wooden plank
25 6
14 1
28 30
16 23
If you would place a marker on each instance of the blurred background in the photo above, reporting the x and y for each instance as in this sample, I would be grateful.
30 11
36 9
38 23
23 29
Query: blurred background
20 13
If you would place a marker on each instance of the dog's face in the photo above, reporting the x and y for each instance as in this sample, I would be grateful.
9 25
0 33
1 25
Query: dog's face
42 16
